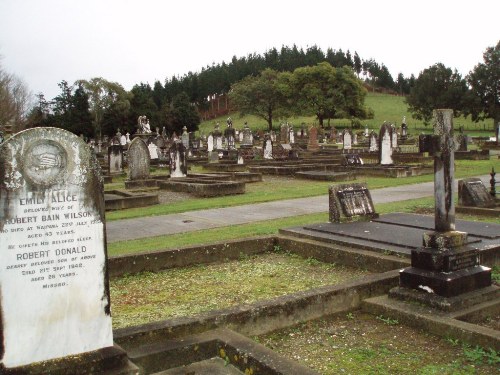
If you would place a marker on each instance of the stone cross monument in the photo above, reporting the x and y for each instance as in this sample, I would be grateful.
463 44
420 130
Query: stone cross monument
447 265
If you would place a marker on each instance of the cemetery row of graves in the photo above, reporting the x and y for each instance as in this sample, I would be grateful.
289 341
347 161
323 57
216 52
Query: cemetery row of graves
356 293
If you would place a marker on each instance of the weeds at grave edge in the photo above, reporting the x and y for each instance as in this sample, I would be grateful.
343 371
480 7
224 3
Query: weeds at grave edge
476 354
388 321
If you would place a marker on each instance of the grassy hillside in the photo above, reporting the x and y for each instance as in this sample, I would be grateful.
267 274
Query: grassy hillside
386 107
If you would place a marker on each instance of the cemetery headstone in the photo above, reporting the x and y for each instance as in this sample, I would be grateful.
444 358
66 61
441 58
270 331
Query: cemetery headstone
115 159
347 139
394 135
185 138
373 142
351 160
138 160
349 201
213 157
312 144
247 136
55 294
291 136
268 149
284 133
230 135
404 131
210 143
472 192
178 160
425 143
385 145
153 150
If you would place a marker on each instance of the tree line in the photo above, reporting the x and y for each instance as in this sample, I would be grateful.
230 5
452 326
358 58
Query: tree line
99 107
178 101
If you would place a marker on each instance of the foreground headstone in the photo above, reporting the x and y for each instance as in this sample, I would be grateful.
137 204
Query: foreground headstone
350 200
53 272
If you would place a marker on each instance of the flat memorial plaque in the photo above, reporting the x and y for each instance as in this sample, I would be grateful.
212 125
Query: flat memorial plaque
53 275
477 229
377 232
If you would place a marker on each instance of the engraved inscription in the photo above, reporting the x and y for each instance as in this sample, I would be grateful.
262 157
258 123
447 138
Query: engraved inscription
355 202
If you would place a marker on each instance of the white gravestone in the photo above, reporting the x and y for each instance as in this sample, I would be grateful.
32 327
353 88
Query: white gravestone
153 151
55 297
385 146
268 149
210 143
347 140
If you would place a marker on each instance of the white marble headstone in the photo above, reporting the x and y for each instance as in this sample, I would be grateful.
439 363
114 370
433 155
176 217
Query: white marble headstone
54 292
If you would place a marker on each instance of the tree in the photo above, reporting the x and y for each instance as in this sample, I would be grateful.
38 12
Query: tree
484 81
39 115
264 96
70 111
357 63
15 99
103 95
181 112
436 87
328 92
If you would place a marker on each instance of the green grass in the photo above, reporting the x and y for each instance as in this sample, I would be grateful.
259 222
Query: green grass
389 108
190 290
262 228
294 188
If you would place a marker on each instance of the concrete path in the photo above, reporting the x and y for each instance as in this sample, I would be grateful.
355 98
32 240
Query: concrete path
129 229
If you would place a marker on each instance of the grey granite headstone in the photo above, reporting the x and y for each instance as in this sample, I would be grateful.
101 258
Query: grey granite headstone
115 158
53 274
138 160
472 192
350 200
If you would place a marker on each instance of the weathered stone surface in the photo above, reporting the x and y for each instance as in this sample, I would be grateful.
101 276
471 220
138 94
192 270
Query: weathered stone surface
138 160
472 192
178 160
115 158
55 296
444 170
350 200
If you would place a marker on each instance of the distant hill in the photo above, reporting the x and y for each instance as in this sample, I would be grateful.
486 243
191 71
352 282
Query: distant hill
387 107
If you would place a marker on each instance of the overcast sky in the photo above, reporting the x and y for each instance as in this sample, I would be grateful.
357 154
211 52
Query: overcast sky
133 41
